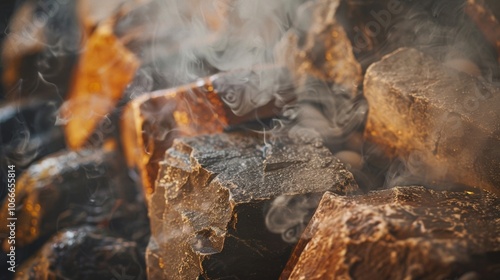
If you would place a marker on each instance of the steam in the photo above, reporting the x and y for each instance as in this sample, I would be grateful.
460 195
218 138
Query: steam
289 215
23 130
329 110
46 35
193 39
443 30
181 41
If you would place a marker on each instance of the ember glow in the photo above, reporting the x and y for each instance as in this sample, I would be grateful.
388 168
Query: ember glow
195 139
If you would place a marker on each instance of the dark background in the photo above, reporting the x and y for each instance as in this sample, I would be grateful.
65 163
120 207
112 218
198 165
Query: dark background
6 9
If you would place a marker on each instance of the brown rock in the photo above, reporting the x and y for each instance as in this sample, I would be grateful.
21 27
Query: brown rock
445 123
207 211
401 233
152 121
319 47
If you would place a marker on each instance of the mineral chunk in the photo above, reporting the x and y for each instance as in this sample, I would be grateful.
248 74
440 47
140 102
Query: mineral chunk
85 253
153 120
443 122
208 208
319 46
69 189
401 233
104 70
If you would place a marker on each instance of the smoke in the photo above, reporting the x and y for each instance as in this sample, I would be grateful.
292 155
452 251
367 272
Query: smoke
329 110
289 215
443 30
181 41
41 45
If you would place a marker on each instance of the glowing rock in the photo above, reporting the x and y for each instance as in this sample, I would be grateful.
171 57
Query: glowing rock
104 69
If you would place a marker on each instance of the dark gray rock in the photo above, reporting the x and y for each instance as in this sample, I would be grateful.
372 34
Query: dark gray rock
85 253
69 189
208 211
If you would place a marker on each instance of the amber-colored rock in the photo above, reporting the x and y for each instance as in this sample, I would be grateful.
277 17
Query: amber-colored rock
104 69
150 124
208 208
320 47
151 121
401 233
443 122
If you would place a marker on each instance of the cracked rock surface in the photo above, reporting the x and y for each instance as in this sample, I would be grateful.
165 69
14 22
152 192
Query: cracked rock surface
209 206
401 233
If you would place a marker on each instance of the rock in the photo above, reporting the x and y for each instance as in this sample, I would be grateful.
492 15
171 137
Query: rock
207 212
444 123
69 189
152 121
318 46
104 70
401 233
85 253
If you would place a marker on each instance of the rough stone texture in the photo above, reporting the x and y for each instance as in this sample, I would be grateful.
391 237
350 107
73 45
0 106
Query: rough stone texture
319 46
84 253
208 209
444 120
152 121
401 233
69 189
